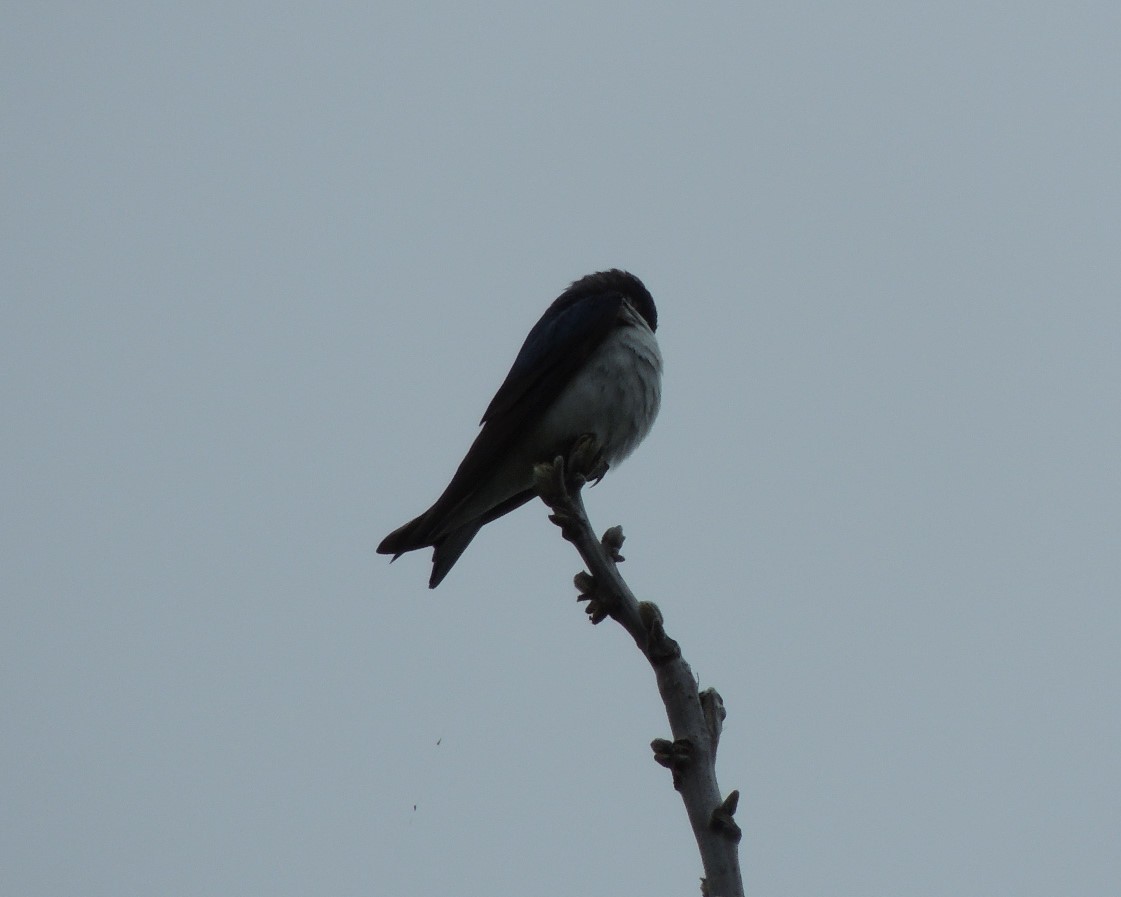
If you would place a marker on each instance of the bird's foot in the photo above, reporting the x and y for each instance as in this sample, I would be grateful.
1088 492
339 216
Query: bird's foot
585 459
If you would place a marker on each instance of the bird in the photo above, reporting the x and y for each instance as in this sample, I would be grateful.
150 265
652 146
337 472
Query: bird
590 367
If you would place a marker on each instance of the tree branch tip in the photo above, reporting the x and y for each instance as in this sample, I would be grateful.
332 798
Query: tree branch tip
612 541
712 706
676 756
722 821
595 612
663 751
596 608
585 583
712 696
613 537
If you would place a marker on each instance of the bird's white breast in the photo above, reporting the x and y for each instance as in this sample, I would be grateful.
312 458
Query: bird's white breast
615 395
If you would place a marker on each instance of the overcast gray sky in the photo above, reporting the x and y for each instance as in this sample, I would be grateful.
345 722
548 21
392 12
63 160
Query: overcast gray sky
263 268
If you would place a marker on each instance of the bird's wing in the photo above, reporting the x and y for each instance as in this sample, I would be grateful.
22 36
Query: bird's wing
557 346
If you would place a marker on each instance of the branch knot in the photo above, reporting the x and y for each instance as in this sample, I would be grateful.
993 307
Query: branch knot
676 756
722 821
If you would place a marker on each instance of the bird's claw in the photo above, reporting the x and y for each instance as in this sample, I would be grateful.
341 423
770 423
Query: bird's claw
585 459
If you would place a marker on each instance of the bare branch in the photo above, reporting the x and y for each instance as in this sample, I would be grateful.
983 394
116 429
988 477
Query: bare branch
695 719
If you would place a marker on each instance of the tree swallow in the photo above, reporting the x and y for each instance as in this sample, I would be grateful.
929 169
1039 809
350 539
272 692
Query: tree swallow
590 366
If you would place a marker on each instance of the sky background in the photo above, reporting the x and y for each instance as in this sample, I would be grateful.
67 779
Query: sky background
264 265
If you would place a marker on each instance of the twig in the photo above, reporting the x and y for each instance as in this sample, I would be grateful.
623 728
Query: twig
695 718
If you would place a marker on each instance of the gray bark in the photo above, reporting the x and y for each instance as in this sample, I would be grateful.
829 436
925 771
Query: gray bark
695 718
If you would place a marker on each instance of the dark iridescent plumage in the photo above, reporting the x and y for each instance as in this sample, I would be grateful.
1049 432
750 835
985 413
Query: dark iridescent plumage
589 365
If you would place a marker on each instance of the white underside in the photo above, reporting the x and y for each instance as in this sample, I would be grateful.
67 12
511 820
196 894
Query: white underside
615 396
